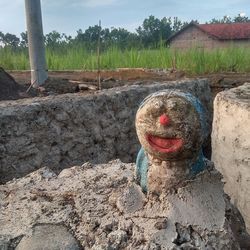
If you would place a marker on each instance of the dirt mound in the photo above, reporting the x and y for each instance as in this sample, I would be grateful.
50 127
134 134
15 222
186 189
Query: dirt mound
8 86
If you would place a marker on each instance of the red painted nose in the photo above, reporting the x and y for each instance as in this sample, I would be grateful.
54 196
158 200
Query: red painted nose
164 120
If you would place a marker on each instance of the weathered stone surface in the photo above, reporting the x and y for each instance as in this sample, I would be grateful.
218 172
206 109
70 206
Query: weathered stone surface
84 199
231 145
75 128
131 200
49 237
4 245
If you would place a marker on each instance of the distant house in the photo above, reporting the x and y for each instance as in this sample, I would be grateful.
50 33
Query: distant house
211 36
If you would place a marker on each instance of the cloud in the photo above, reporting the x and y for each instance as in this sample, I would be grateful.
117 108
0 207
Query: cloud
98 3
81 3
130 26
10 4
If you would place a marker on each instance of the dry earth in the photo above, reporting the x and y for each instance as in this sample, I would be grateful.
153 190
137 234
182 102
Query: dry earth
61 82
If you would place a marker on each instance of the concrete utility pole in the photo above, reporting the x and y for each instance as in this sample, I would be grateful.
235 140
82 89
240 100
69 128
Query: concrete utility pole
39 72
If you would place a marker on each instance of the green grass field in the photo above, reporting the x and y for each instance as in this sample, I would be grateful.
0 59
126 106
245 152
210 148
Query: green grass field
194 61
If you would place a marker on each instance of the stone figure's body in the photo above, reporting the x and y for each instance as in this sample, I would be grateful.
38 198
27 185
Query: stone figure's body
171 128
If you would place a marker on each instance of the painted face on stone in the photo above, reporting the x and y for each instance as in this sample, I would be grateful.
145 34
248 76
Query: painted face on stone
169 127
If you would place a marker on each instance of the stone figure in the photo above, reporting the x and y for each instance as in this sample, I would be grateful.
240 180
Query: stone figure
171 127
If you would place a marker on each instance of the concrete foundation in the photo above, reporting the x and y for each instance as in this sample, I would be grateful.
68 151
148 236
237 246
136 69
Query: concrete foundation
231 145
102 207
64 130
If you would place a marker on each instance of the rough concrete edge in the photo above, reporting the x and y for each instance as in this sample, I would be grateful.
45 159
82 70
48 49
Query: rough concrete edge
231 97
107 92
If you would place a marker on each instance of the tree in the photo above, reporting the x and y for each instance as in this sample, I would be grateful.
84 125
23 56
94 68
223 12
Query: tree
150 31
1 37
165 28
153 30
177 24
9 40
66 39
89 37
53 39
227 19
241 19
122 38
24 39
92 33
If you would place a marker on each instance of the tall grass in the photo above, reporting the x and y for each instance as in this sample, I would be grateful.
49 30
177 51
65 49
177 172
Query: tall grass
194 61
14 59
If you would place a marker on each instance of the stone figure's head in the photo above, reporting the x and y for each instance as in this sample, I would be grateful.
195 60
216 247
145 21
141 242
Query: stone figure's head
170 125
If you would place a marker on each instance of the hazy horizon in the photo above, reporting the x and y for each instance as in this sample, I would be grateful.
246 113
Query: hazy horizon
69 16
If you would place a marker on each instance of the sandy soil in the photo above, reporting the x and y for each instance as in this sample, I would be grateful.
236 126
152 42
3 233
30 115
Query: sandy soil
61 82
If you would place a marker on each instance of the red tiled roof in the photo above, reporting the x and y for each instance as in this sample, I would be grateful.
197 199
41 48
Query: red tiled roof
221 31
224 31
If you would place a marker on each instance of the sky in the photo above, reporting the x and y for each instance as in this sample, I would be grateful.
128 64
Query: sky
68 16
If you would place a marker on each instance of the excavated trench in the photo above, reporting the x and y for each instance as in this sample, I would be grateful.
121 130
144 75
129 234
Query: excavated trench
98 205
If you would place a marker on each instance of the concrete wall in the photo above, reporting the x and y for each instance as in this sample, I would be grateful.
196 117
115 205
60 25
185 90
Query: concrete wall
231 145
60 131
193 37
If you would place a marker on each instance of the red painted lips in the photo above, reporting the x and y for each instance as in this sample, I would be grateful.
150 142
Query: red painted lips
164 145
